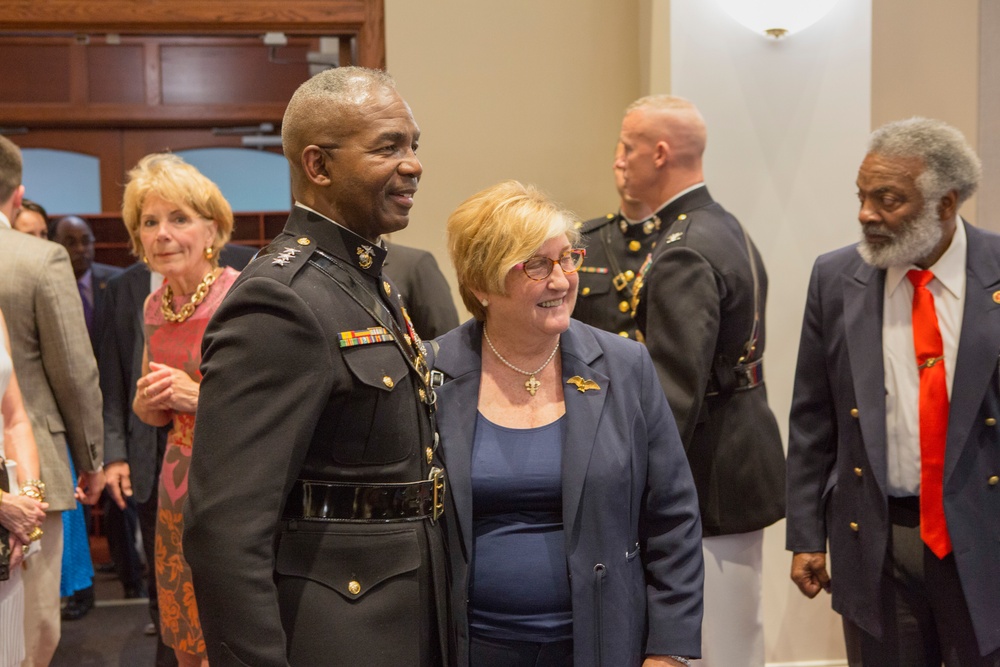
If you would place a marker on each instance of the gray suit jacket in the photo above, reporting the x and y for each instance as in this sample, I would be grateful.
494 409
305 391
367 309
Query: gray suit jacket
837 459
633 537
53 359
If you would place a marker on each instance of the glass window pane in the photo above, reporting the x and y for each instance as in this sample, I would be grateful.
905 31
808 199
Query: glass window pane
65 183
250 179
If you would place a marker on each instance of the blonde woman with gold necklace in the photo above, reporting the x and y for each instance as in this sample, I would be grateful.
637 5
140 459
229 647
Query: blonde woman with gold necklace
178 222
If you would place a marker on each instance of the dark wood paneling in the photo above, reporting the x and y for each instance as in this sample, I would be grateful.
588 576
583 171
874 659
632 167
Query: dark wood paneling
35 73
115 74
184 16
230 74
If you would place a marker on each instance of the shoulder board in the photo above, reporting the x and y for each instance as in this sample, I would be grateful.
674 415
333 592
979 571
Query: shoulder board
591 226
284 257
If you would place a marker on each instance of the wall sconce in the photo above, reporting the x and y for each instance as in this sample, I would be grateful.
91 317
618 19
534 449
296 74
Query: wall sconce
777 18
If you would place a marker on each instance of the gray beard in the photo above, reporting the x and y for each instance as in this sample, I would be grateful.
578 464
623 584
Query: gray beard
913 241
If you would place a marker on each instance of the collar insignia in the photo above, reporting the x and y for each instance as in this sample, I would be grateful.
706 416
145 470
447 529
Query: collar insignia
365 256
676 236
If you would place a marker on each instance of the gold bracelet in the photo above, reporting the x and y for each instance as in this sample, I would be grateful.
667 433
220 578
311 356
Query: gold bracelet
36 486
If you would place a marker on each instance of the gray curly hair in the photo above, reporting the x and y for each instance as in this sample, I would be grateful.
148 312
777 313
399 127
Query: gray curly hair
949 161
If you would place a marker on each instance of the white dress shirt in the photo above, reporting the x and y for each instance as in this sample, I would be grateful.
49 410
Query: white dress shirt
902 380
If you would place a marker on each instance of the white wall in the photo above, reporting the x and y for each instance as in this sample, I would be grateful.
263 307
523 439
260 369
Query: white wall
787 124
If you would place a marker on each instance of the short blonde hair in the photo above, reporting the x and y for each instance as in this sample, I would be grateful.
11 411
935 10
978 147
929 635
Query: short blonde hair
495 229
172 179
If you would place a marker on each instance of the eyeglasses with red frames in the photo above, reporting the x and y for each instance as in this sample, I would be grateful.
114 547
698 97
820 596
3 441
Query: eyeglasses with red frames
540 268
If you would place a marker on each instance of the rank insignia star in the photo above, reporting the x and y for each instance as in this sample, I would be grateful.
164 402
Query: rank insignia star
365 256
285 256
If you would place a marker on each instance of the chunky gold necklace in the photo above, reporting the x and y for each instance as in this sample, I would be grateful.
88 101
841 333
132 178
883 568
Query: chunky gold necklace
531 385
187 310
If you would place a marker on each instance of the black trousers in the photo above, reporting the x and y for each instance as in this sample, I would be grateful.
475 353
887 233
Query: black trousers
925 620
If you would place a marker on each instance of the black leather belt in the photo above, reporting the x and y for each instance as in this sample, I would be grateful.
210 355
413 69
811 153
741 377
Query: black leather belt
367 503
747 377
904 511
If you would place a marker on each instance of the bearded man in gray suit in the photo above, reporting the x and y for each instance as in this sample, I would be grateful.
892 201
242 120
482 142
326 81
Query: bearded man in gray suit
55 366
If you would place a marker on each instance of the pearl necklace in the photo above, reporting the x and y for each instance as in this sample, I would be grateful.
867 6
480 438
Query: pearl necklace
531 385
187 310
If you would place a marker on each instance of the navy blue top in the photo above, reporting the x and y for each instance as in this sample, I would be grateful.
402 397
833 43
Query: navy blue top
518 585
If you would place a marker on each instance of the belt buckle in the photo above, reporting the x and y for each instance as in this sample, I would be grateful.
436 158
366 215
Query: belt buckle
620 282
438 486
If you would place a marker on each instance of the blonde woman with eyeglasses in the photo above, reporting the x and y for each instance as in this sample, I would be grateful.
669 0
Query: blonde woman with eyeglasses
576 508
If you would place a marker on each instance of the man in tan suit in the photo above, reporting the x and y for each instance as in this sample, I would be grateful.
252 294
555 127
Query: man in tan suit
58 376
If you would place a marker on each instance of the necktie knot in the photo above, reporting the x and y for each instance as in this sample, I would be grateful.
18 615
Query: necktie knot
919 278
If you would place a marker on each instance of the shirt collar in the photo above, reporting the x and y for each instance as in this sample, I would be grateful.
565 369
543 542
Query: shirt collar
679 195
4 222
949 268
381 243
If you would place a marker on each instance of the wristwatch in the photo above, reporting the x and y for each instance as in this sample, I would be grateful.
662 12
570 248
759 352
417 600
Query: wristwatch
684 661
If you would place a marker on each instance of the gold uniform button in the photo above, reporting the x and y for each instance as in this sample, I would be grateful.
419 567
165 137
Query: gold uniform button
623 334
629 275
303 241
854 412
990 421
634 246
387 381
994 480
854 526
353 588
624 306
858 472
429 453
585 291
682 216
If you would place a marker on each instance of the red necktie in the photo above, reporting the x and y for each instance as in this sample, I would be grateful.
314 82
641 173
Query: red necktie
933 414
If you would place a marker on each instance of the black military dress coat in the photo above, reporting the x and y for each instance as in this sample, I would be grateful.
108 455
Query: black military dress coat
615 252
695 307
299 386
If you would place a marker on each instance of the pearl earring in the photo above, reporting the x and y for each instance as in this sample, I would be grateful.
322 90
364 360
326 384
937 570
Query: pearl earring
485 302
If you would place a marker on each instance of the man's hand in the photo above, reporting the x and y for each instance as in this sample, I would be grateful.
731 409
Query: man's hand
809 573
89 486
118 480
660 661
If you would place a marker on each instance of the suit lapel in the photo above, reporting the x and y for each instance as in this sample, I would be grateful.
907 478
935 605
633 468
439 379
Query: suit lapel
977 360
458 357
583 411
863 297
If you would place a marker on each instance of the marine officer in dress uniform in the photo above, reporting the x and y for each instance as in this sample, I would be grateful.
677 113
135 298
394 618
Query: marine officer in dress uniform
700 301
616 246
314 525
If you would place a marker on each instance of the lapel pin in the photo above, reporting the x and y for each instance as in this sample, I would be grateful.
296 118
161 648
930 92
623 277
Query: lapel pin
583 385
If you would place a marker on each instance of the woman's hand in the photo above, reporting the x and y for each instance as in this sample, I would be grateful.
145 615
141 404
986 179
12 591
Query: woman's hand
21 515
16 552
165 389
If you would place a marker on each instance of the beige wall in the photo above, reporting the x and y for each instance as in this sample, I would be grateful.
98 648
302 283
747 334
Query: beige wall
518 89
925 62
534 91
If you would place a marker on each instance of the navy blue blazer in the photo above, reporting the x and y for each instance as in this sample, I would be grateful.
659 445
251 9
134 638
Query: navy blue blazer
837 437
630 510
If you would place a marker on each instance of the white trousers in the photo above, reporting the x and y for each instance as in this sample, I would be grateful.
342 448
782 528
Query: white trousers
732 632
41 595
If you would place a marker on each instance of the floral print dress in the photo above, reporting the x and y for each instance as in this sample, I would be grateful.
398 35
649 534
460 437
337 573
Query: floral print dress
178 345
